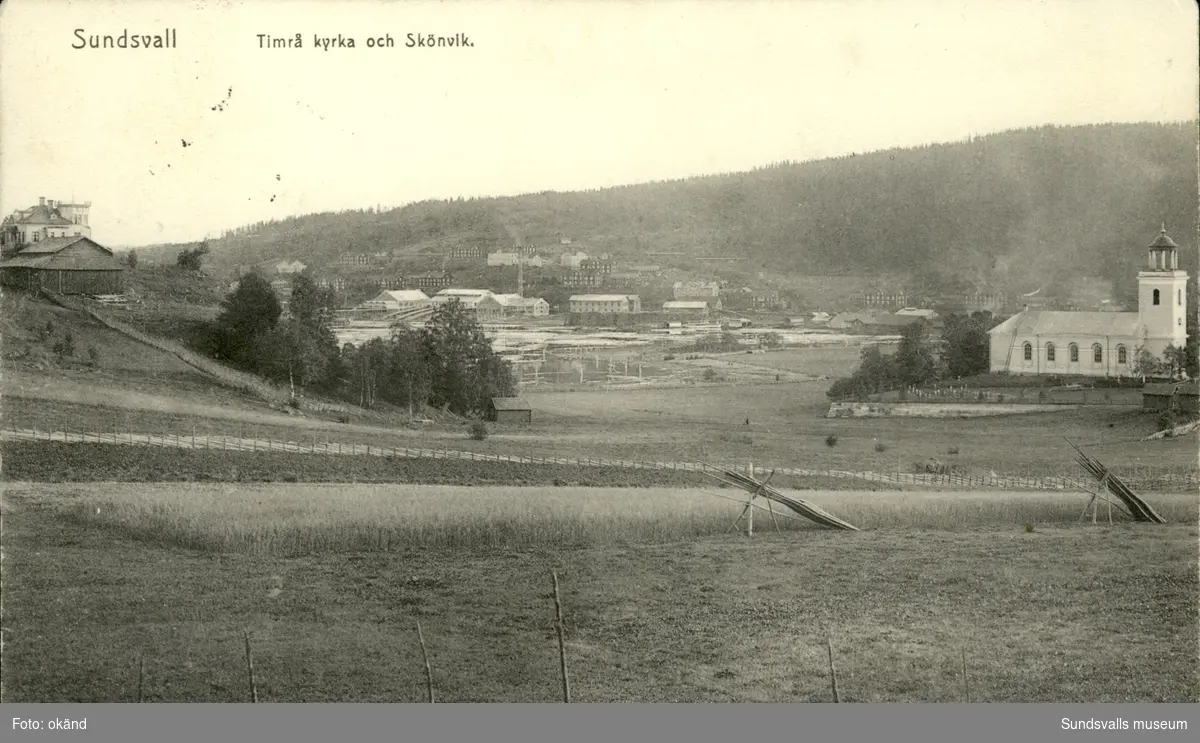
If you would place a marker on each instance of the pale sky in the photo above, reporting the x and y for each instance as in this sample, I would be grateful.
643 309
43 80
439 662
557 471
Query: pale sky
558 96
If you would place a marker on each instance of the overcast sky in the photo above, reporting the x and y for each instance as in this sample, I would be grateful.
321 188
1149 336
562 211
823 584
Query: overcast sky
550 97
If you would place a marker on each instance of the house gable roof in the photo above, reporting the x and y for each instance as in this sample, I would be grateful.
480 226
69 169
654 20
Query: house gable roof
510 403
55 244
600 297
47 255
402 295
1159 389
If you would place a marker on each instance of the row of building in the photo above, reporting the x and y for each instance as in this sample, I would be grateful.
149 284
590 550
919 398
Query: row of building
484 304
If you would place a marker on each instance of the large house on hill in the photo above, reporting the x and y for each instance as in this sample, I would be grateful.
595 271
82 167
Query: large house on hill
1100 344
64 265
49 219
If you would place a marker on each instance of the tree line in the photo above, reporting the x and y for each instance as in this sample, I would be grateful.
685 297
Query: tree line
449 364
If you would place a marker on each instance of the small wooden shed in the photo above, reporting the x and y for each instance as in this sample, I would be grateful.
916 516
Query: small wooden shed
1158 396
509 410
1187 396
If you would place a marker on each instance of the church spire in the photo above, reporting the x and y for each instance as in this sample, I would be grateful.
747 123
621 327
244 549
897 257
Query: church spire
1164 253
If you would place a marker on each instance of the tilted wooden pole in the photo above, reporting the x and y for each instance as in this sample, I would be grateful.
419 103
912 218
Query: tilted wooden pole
562 647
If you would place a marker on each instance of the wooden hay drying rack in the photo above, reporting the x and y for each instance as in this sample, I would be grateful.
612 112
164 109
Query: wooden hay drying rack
1130 502
762 489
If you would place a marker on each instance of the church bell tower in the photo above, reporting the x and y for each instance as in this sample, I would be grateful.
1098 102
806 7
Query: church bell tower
1162 297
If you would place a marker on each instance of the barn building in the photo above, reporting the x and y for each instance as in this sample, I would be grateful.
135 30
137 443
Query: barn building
1181 397
64 265
509 410
1100 344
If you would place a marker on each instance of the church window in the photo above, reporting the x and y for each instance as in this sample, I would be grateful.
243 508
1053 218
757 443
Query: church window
1074 352
1122 355
1028 352
1097 353
1156 296
1049 352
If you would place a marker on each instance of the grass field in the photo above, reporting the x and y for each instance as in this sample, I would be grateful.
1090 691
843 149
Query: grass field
301 519
1062 613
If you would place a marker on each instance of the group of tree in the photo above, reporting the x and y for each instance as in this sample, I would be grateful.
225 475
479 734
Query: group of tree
913 363
448 364
966 345
192 259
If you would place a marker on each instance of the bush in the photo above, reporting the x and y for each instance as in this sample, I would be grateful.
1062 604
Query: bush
1169 419
478 431
952 450
831 440
880 447
66 347
93 356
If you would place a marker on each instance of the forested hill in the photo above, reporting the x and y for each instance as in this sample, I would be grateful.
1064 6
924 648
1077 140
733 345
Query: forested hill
1013 211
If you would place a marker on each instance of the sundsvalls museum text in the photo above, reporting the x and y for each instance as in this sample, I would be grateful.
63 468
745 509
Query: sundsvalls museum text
167 38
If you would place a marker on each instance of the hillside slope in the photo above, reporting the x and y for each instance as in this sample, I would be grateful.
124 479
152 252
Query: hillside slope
47 346
1011 211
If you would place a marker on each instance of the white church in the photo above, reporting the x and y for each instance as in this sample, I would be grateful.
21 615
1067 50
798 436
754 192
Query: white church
1100 344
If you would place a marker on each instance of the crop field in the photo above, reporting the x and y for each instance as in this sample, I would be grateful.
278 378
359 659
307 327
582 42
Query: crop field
661 604
297 519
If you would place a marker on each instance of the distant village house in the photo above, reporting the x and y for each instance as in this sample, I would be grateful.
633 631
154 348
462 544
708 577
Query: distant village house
393 300
431 280
572 260
605 303
290 267
708 292
468 253
686 309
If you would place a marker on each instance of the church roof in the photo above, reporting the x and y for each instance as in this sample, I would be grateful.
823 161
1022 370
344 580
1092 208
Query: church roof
1089 324
1163 241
